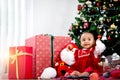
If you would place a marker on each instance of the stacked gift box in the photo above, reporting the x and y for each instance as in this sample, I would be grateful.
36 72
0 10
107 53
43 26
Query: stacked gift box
42 50
41 54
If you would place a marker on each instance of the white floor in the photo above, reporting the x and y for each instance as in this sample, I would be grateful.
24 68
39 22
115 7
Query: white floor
4 76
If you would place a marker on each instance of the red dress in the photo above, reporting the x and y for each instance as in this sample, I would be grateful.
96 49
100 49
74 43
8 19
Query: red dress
85 61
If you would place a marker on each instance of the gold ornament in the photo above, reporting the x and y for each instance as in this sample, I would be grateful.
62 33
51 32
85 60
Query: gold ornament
104 7
76 23
112 32
115 0
112 26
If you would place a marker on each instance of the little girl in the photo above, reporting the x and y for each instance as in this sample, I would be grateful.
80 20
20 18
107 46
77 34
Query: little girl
88 57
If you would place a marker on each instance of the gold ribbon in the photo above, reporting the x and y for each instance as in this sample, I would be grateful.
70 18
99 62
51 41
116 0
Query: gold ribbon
15 58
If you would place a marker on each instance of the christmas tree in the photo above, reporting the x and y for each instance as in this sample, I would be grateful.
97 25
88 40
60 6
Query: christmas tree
102 17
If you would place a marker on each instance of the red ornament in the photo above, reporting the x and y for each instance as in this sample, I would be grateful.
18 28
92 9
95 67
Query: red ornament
99 36
92 11
98 4
109 38
86 25
79 7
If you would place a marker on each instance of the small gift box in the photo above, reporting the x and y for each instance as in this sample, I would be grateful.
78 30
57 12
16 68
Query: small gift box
20 62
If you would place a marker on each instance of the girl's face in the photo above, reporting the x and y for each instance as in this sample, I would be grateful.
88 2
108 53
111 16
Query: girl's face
87 40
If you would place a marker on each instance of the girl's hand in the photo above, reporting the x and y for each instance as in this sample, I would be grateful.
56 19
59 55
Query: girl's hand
75 73
67 74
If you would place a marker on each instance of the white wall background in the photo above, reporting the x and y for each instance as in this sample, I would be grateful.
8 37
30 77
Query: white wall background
50 16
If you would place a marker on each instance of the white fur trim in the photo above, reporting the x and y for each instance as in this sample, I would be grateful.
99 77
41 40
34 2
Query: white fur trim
67 56
100 47
48 73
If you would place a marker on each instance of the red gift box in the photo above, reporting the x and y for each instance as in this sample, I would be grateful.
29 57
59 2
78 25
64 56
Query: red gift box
20 62
42 50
